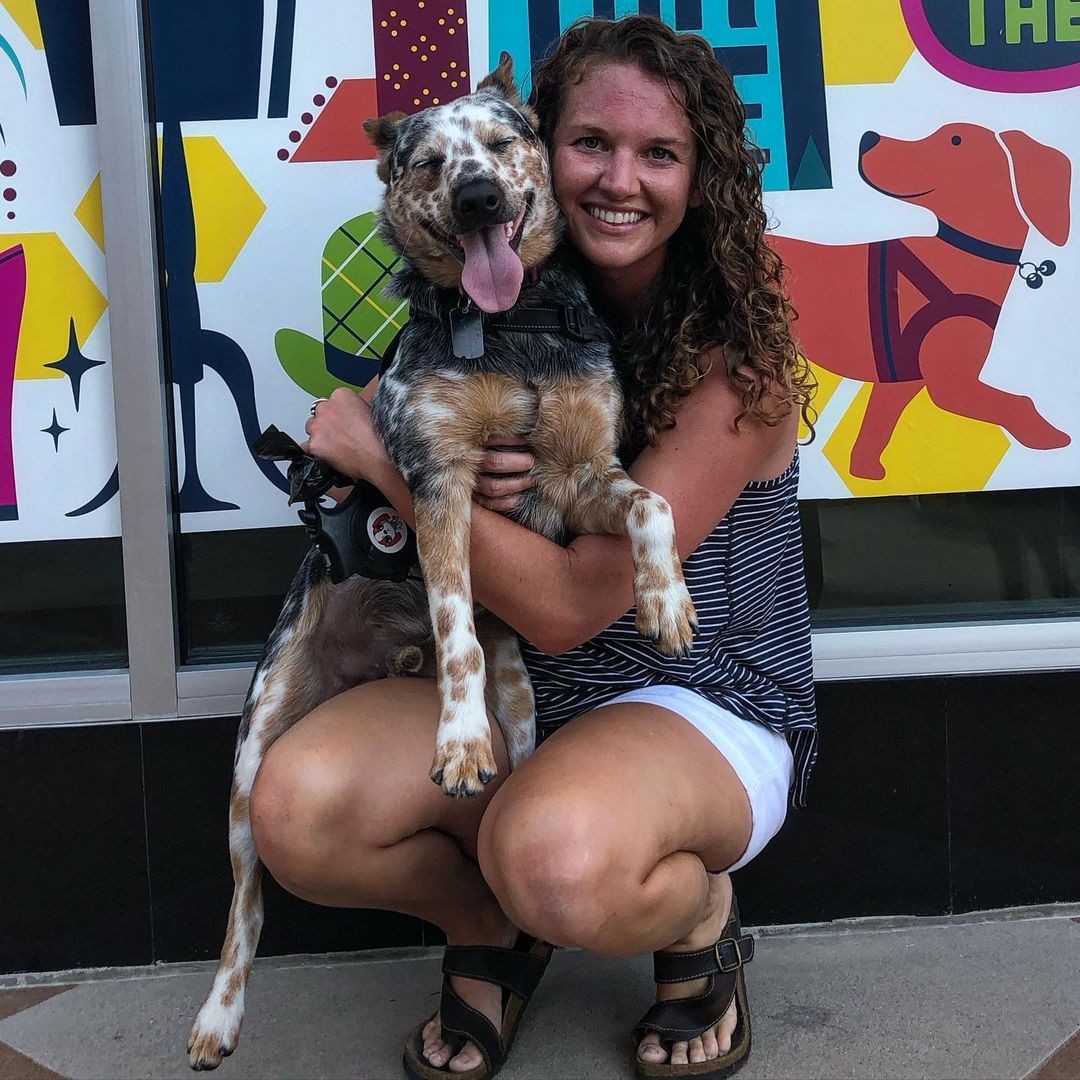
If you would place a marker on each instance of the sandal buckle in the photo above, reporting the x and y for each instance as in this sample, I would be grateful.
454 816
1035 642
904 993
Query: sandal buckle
728 965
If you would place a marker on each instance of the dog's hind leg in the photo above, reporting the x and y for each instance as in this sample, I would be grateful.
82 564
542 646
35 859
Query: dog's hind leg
509 691
288 683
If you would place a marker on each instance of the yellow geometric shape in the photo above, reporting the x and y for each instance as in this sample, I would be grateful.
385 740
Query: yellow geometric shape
827 382
864 41
226 207
24 12
88 212
930 451
57 291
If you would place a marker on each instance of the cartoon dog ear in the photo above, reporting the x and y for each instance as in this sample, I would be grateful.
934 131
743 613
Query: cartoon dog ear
1043 177
382 132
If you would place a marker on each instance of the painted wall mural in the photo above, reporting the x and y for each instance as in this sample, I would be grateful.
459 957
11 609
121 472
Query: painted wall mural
917 160
57 443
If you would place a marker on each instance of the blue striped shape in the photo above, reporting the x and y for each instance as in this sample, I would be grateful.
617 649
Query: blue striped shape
751 654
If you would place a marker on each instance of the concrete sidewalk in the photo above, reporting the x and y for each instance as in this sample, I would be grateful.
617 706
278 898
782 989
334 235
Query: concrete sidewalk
988 995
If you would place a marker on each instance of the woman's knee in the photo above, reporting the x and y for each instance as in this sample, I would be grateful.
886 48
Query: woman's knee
297 810
556 867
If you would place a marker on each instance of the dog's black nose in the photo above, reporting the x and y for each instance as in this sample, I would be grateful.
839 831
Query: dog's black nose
869 140
479 203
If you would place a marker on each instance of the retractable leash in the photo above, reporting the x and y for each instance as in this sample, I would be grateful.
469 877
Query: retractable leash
362 535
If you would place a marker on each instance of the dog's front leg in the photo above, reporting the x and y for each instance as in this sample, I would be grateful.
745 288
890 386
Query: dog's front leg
463 758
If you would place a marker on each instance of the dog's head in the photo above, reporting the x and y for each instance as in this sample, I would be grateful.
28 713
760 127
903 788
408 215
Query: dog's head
468 198
962 174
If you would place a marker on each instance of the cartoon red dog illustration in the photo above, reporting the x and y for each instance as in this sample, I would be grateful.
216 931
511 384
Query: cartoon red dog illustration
921 311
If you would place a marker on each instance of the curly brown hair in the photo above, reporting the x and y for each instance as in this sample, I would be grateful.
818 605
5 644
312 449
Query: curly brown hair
722 284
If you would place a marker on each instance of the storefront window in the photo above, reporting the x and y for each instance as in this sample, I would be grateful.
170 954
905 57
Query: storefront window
62 601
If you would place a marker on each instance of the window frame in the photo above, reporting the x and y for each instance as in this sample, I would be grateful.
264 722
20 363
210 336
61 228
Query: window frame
155 686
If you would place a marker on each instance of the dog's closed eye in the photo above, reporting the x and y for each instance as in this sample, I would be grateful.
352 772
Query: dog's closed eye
498 146
432 163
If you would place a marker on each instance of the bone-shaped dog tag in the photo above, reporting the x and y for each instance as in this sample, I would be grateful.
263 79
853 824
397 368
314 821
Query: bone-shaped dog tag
467 333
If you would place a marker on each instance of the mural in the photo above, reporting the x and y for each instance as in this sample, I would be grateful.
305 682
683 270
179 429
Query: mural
56 424
917 160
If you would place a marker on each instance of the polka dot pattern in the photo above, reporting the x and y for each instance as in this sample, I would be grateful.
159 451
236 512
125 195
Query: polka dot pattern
421 53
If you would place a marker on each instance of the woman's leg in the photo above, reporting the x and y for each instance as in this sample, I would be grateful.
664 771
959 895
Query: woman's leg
612 838
344 813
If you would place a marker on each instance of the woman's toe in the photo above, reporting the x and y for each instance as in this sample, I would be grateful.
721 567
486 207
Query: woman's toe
678 1054
695 1051
432 1030
650 1049
709 1044
437 1053
467 1059
726 1028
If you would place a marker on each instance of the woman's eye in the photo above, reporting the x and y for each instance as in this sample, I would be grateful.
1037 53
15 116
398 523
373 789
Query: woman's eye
661 153
589 142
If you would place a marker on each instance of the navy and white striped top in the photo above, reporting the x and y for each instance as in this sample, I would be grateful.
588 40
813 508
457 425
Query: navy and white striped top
751 653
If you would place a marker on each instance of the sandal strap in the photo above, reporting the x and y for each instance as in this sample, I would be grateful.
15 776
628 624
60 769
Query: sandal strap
683 1019
458 1018
725 956
516 969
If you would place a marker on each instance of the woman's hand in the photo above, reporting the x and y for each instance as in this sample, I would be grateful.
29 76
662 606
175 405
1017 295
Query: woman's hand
342 433
505 474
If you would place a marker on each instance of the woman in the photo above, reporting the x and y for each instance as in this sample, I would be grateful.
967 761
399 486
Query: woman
619 834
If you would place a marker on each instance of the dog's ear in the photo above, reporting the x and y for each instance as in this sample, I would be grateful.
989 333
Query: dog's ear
381 131
1043 177
502 79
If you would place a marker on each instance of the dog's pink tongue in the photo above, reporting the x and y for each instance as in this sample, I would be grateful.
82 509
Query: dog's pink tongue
492 273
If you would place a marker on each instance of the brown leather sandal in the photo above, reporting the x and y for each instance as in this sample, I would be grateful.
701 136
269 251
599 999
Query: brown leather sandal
683 1019
517 971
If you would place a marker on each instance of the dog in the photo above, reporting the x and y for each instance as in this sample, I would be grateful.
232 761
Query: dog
468 204
920 311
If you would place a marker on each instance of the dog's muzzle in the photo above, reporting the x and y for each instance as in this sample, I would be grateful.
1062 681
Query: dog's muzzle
478 204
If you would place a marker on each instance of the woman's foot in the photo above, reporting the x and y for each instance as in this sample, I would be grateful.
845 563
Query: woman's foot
717 1040
482 996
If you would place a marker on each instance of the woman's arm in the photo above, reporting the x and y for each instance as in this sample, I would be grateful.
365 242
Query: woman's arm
559 597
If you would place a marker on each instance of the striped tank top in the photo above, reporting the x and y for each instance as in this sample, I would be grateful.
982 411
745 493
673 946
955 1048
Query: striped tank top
751 654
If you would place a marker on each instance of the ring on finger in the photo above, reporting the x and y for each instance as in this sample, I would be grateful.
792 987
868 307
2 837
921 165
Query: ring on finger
315 404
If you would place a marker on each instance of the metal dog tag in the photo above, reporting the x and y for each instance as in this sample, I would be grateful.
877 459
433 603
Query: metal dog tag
467 333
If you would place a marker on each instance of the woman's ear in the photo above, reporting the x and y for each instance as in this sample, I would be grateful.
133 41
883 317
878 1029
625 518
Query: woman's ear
696 199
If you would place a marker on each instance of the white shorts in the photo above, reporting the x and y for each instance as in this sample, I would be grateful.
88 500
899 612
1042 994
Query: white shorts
761 758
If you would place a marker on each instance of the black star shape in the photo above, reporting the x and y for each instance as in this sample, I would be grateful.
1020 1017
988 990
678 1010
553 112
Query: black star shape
74 365
55 430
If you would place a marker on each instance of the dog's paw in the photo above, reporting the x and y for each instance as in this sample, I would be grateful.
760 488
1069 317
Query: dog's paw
668 619
463 766
214 1034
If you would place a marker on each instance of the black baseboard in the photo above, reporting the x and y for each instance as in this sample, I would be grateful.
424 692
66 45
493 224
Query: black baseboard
931 796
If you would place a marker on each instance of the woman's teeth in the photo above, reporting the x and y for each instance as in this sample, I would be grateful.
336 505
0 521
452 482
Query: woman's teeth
612 217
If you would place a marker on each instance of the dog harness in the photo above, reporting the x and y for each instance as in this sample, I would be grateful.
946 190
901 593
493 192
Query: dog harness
896 348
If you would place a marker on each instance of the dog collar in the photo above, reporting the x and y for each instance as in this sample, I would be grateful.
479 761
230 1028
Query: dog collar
469 325
1032 273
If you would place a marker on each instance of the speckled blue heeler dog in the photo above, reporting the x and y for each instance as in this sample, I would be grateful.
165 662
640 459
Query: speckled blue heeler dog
468 204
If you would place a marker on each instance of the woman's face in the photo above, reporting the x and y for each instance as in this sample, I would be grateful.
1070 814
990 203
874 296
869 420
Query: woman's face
624 164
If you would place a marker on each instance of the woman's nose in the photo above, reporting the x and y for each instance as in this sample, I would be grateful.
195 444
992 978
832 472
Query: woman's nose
619 179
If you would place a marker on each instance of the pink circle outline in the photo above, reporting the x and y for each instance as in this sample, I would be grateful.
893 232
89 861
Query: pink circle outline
961 71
